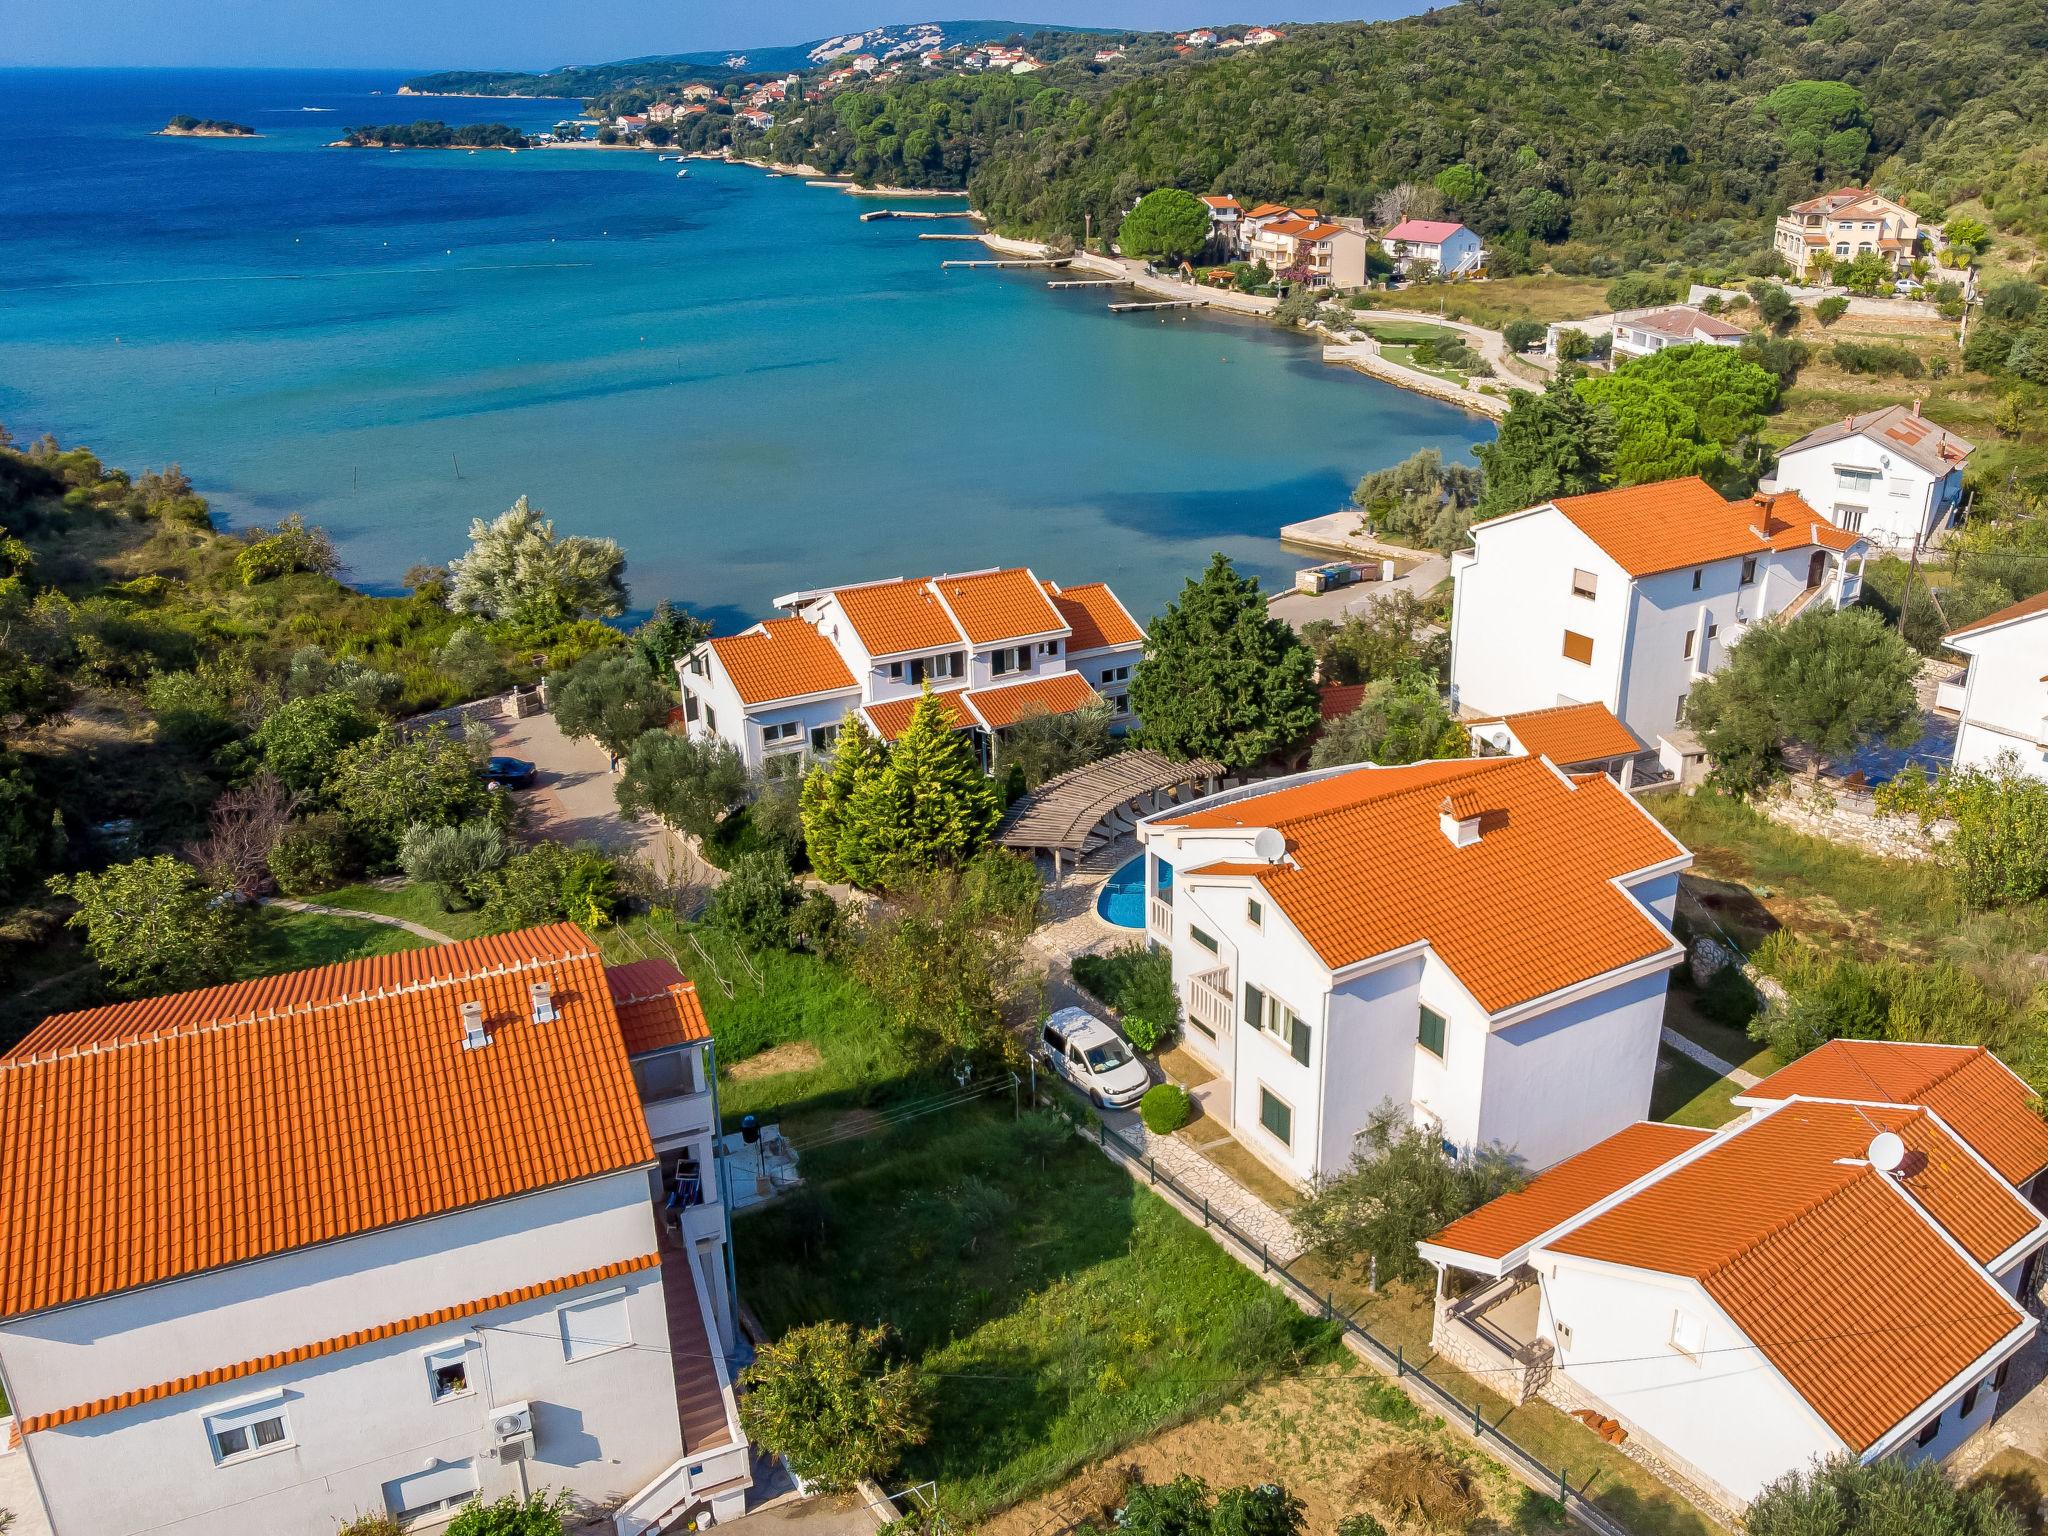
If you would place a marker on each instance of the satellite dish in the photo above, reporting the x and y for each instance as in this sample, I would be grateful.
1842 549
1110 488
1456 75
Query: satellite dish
1269 845
1887 1152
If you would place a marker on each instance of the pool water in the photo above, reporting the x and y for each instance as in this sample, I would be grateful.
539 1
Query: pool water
1121 900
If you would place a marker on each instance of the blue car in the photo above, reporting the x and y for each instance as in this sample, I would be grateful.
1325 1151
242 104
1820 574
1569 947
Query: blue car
508 772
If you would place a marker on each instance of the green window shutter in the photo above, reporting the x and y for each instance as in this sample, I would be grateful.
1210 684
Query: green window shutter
1430 1033
1298 1034
1254 1006
1276 1117
1203 939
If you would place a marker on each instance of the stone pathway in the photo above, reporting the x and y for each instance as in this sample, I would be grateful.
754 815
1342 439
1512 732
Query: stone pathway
417 929
1203 1180
1709 1060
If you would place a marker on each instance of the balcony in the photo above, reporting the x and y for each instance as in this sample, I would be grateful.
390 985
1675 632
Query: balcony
1209 1001
1159 916
1950 692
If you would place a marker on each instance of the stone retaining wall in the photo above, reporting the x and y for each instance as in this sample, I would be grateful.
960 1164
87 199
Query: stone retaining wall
1840 812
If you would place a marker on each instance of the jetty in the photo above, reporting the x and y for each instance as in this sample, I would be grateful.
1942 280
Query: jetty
930 235
912 213
1052 261
1138 304
1089 282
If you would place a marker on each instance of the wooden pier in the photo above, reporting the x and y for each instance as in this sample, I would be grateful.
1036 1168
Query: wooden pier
1089 282
1053 261
911 213
1124 309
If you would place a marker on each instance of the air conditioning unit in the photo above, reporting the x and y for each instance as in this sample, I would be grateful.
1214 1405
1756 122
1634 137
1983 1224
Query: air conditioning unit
512 1427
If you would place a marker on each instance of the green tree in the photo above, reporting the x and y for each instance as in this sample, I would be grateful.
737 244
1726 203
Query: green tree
828 790
1044 745
1683 411
1556 443
454 861
472 663
551 883
1774 305
1967 237
1867 273
1460 185
611 697
154 926
1421 500
1167 225
302 739
669 635
1299 308
1828 681
688 784
1399 1189
928 805
756 899
517 570
1522 334
1639 290
1823 122
1394 633
1998 846
538 1514
1398 720
31 827
1885 1498
1221 677
390 782
828 1400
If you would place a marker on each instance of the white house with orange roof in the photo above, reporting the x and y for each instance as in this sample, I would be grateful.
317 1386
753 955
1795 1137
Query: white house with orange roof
384 1236
1329 961
1891 475
1000 642
1628 597
1581 738
1640 333
1845 224
1444 245
1841 1272
2003 698
1226 216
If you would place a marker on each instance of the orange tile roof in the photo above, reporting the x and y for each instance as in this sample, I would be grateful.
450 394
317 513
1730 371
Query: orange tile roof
1645 529
1566 1189
1095 616
1058 694
895 617
1288 227
1221 202
1570 733
1264 209
891 717
1336 700
1316 233
1828 1270
1979 1097
155 1139
657 1005
781 659
277 1360
994 606
1526 910
2025 608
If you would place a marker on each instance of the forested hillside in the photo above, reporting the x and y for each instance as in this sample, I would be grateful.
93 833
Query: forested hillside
1644 129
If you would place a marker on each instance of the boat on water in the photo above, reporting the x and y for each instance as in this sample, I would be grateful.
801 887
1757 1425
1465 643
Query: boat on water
684 171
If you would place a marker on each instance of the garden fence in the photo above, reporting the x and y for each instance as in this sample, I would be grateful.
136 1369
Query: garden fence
1393 1360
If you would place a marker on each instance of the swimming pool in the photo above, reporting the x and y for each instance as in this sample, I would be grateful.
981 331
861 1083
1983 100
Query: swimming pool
1122 898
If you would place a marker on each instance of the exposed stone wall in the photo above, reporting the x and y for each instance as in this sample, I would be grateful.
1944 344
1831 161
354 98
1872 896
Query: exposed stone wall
1840 812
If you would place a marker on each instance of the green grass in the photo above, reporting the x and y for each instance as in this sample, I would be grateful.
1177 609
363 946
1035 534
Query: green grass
1059 1311
1686 1093
414 903
1495 302
1407 331
297 941
1405 356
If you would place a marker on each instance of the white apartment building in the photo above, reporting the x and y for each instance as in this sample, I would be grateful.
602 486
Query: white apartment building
1481 945
1841 1272
1891 475
1226 220
1628 597
1002 644
2003 697
1447 247
383 1236
1845 224
1638 333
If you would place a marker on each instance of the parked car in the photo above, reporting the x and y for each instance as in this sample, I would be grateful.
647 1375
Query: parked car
1094 1058
508 772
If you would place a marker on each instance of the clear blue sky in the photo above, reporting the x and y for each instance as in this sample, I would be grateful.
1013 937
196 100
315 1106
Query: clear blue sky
534 34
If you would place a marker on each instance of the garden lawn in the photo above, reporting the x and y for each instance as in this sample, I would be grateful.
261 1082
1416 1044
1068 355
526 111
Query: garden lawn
1686 1093
414 903
1495 302
1407 332
297 941
1059 1311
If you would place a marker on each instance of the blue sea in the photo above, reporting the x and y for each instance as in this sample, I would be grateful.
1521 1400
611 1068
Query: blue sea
728 373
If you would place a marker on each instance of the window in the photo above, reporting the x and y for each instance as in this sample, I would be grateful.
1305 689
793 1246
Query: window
1254 913
1578 647
896 670
710 719
697 663
596 1325
1749 570
1276 1117
1928 1431
1585 584
822 737
1696 577
1116 674
249 1428
1254 1006
448 1371
1688 643
785 731
1050 648
689 706
442 1487
1849 519
1713 629
1678 714
1119 704
1970 1400
1429 1033
663 1075
1204 940
1858 481
1688 1334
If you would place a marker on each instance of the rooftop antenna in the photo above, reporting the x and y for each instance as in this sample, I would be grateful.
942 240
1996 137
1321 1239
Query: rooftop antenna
1887 1152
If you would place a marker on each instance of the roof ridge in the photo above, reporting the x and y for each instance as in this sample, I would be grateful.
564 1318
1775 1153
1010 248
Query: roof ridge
327 1002
1481 768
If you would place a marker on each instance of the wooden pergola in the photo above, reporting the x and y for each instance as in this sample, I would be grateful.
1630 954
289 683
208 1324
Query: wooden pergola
1072 815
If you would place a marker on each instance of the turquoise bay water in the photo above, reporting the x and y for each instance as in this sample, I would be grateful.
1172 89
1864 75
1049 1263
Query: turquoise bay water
729 373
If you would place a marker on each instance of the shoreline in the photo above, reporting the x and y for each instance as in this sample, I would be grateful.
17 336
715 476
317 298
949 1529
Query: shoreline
200 133
406 90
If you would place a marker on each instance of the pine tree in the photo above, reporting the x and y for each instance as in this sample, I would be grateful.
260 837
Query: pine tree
1556 443
1222 677
828 790
929 805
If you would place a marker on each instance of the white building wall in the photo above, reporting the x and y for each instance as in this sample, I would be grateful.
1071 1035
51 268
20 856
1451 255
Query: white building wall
1373 1052
1512 603
1727 1411
2005 701
703 677
1902 504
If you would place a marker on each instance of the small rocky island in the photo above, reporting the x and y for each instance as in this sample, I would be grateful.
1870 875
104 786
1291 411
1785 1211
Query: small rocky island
434 135
183 127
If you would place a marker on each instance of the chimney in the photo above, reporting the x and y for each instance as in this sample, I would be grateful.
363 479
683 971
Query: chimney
473 1036
1916 405
1458 817
543 1003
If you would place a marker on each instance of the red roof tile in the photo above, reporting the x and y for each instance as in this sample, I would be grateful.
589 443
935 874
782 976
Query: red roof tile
1528 909
994 606
161 1138
1570 733
895 617
1645 529
891 718
1095 617
781 659
1058 694
657 1005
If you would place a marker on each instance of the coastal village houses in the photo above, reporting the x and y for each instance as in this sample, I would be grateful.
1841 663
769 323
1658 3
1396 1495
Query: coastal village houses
1226 218
1640 333
384 1236
2002 700
1842 225
1325 953
995 646
1840 1272
1451 249
1627 597
1891 475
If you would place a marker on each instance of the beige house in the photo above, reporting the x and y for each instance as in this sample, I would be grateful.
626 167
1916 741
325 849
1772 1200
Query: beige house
1846 224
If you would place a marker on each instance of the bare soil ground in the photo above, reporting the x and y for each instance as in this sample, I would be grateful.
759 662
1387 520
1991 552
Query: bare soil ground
795 1056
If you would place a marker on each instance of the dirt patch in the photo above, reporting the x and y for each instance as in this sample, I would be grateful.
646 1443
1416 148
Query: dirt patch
1316 1434
796 1056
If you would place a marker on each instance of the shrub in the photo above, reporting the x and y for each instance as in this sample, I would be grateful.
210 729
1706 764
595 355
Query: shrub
1137 981
1831 309
1165 1108
1360 1524
453 860
154 926
292 548
1842 1497
550 884
539 1514
1298 308
1521 335
2011 302
372 1525
756 900
1875 357
312 855
825 1399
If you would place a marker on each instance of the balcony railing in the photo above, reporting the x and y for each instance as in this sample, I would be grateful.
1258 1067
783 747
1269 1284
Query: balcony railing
1209 999
1159 916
